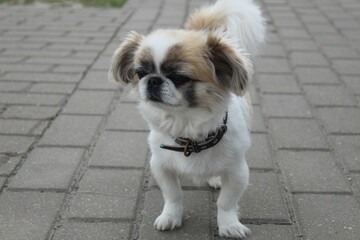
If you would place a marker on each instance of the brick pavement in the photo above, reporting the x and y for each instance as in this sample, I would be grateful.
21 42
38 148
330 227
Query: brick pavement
73 152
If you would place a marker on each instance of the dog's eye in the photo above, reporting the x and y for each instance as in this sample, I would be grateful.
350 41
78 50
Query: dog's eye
179 80
141 73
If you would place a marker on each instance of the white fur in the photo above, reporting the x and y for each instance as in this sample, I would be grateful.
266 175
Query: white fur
243 21
160 43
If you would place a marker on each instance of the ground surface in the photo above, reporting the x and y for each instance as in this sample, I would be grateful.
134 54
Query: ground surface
73 152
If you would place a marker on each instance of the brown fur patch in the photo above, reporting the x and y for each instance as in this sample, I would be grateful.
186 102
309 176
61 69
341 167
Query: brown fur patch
122 68
188 56
229 66
205 19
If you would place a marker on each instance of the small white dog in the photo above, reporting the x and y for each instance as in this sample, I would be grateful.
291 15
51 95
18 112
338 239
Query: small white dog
192 87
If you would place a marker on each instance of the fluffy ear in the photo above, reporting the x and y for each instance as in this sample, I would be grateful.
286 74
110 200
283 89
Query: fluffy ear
122 66
232 69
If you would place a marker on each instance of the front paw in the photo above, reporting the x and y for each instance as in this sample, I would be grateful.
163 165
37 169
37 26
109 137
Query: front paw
234 230
167 222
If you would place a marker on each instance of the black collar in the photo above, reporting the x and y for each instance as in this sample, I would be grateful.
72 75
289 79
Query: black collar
189 146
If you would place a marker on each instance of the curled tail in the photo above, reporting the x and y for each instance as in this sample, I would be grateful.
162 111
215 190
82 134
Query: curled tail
242 19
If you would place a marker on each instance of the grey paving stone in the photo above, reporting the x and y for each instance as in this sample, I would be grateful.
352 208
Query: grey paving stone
101 206
340 52
328 216
102 63
299 44
10 126
311 171
2 181
47 168
355 179
308 59
29 52
196 219
351 67
293 33
296 133
30 112
89 102
263 200
27 215
119 149
273 50
13 86
115 182
341 120
15 144
272 65
321 28
60 61
71 131
285 106
126 117
353 84
52 88
311 75
326 95
274 83
330 39
93 231
258 155
348 148
8 164
31 99
43 77
257 123
97 80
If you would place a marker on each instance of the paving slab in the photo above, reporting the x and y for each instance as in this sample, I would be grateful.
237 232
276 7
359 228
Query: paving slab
126 117
30 112
8 164
341 120
71 131
88 102
296 133
120 149
348 148
27 215
312 171
258 156
263 201
285 106
15 144
328 216
93 231
47 168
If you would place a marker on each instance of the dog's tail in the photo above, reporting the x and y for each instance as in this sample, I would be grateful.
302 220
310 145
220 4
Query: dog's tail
242 19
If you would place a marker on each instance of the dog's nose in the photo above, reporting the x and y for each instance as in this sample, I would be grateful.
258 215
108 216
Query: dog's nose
155 81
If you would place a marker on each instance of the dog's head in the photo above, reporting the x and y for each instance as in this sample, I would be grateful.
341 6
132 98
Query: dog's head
179 69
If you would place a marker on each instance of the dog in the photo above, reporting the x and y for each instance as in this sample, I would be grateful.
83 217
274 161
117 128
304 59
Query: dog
192 90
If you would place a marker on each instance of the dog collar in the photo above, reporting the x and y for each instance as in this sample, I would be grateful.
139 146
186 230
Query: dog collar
189 146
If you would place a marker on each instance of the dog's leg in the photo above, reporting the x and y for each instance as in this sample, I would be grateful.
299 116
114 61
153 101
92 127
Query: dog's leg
234 183
171 216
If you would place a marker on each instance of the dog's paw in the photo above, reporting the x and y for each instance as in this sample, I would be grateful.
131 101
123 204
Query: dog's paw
214 182
167 222
234 230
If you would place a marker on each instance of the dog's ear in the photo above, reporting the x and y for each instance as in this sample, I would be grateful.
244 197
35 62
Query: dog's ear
232 68
122 66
